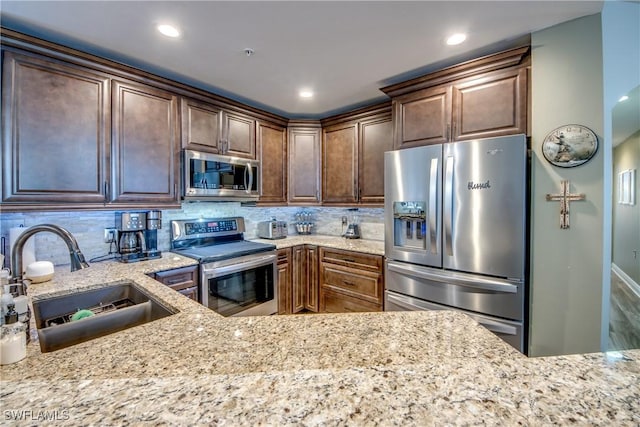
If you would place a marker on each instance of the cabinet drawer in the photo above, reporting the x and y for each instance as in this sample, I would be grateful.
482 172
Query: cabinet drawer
362 284
351 259
284 255
180 278
335 302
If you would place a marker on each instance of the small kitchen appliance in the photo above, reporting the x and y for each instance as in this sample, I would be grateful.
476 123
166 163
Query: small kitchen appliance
132 233
237 277
353 229
215 177
272 229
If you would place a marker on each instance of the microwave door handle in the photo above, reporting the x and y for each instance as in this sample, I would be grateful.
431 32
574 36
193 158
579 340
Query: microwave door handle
248 173
448 206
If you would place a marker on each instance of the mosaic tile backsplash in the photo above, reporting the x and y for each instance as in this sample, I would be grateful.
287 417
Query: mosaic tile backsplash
88 227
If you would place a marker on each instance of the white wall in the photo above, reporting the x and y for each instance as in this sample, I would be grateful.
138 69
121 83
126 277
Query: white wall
566 269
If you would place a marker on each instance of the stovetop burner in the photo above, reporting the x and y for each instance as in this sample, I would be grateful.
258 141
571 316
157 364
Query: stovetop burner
213 239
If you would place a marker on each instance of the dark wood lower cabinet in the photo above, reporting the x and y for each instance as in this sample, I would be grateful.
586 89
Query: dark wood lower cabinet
184 280
285 302
350 281
305 295
319 279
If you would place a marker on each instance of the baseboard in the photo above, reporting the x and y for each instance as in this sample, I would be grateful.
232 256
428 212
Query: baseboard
635 288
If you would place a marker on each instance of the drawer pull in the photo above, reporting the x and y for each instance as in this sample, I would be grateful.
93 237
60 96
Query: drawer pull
348 283
180 280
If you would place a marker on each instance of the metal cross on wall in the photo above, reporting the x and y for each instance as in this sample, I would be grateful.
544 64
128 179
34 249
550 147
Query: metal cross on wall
564 198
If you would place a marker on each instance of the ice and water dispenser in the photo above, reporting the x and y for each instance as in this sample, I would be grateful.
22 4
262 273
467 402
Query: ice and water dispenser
410 224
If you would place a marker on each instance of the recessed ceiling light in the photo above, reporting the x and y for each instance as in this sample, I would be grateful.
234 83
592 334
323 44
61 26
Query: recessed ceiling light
623 98
306 94
168 30
456 39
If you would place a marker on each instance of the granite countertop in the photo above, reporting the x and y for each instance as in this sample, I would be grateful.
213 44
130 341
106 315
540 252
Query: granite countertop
400 368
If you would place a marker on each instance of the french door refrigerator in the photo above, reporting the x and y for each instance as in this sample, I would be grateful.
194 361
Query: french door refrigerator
455 231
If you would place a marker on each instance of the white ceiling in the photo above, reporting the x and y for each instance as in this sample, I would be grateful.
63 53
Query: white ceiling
343 51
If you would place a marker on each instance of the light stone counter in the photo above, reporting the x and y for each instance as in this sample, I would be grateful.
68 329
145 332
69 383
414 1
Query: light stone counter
414 368
375 247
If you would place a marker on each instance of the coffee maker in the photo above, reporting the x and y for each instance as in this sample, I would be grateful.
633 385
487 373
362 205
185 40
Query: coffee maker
137 235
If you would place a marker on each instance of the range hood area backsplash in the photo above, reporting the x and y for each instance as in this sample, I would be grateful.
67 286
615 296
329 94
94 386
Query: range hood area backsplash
88 226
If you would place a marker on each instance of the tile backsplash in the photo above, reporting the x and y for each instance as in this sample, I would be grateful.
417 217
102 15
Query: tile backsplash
87 226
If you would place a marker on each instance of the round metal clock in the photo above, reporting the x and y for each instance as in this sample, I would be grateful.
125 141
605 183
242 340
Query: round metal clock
569 145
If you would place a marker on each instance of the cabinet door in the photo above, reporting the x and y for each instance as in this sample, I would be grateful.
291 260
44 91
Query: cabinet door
272 152
284 281
304 165
312 299
145 135
422 118
200 125
240 135
376 137
56 133
340 164
493 104
299 278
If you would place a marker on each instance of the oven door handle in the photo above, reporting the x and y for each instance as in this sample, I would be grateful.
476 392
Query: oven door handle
241 266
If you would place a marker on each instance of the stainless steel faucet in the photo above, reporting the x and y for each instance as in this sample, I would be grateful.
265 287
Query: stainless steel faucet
77 258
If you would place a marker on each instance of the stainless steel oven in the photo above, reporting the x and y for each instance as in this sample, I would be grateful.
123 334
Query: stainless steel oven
237 277
243 286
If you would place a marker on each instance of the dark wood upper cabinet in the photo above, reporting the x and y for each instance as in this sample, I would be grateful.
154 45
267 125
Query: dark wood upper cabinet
340 164
56 132
272 152
376 137
353 150
481 98
422 118
304 164
201 123
208 127
145 143
494 104
239 135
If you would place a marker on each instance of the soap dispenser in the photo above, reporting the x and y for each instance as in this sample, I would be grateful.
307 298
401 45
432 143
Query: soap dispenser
13 340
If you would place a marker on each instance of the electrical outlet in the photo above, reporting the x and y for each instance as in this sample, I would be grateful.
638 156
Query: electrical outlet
109 235
344 220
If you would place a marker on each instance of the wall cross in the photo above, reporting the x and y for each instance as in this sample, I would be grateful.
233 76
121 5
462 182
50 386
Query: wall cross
564 198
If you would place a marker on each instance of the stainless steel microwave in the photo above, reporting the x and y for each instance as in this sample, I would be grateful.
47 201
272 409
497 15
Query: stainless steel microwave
213 177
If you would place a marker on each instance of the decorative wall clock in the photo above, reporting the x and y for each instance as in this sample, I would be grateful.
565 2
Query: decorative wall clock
569 145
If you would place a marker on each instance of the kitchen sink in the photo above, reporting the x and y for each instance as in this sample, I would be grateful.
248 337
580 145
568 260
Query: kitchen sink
112 308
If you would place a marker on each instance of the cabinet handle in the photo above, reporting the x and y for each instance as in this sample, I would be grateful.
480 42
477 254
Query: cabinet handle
348 260
106 192
179 281
348 283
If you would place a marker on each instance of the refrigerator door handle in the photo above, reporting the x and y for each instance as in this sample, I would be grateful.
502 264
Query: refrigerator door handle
433 193
448 206
453 279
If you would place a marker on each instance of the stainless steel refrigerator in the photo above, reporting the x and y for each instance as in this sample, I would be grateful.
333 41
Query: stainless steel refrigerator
455 231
